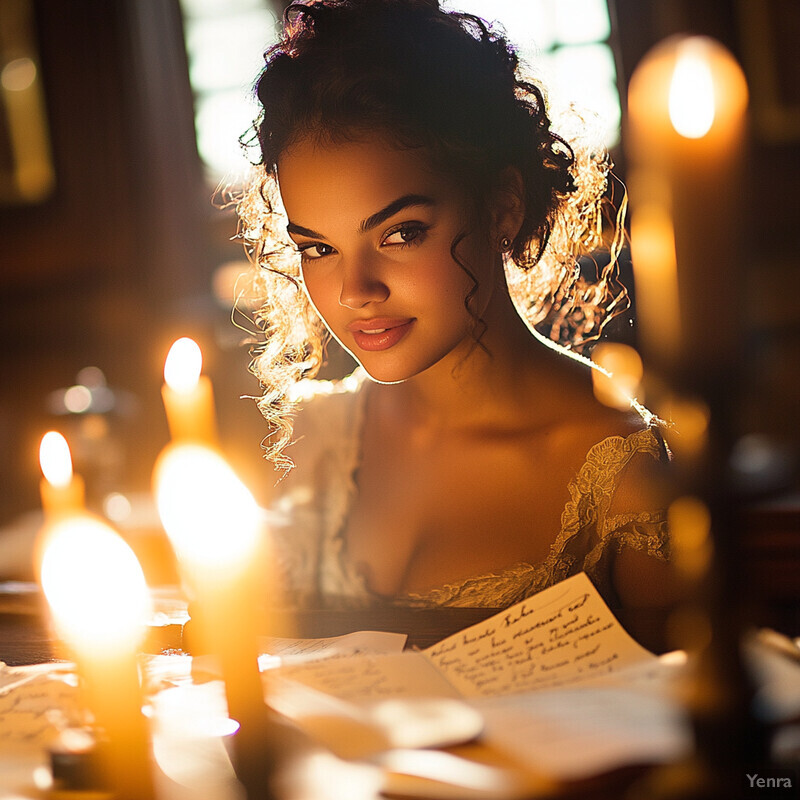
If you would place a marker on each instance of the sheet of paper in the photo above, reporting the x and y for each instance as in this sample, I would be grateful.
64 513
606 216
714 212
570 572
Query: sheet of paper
161 671
585 730
563 635
370 677
349 644
35 703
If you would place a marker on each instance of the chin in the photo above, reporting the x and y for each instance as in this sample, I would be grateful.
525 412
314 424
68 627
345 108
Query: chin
378 367
389 367
382 373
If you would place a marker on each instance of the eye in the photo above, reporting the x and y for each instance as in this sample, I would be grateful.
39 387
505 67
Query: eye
314 250
406 234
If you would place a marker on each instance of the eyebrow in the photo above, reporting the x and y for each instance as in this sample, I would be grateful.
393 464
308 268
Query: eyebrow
406 201
299 229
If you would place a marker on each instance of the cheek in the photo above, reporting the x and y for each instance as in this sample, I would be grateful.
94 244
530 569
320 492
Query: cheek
322 289
439 293
448 284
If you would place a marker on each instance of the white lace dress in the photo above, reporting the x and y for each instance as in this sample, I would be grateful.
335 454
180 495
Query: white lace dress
312 504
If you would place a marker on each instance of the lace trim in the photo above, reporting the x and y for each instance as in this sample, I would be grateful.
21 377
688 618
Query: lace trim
591 493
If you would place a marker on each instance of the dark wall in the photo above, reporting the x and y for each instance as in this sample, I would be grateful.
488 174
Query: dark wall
759 34
764 397
116 263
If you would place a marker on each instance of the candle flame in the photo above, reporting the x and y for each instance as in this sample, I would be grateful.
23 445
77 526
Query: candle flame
55 459
183 365
210 517
95 587
691 92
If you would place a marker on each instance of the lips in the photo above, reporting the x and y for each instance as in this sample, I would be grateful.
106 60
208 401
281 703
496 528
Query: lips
379 333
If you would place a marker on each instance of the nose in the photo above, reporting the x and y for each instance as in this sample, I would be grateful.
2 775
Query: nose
361 285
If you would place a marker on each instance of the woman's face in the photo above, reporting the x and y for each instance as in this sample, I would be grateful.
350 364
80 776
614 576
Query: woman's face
375 226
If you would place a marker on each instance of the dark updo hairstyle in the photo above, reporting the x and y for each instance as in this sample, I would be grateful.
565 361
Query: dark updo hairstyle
445 83
441 81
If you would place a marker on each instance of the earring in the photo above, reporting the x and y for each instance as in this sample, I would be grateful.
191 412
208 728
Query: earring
505 244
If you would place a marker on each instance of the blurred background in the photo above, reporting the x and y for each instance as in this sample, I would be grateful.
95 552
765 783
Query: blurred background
119 121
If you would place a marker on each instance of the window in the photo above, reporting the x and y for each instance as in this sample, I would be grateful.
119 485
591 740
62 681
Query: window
562 43
225 40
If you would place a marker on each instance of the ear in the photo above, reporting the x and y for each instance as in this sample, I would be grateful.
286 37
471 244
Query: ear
508 205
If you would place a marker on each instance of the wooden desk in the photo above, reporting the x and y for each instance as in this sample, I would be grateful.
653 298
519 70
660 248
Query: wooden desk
26 636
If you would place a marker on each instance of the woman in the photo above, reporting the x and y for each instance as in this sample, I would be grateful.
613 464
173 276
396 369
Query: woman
463 463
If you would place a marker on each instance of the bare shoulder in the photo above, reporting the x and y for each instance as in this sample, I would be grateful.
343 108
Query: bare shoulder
587 424
641 491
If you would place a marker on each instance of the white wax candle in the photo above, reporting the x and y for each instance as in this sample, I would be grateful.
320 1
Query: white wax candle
187 394
62 491
215 527
686 148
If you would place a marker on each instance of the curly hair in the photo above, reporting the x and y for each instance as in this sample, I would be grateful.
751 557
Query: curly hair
451 85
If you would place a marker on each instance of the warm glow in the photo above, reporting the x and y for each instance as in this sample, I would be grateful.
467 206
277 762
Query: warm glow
210 517
117 507
18 75
686 87
95 587
183 365
691 91
55 459
656 273
689 420
619 381
690 530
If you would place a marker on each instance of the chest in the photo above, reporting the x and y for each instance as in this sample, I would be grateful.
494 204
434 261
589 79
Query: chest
437 509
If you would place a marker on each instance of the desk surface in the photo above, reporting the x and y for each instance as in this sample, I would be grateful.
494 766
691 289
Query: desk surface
27 637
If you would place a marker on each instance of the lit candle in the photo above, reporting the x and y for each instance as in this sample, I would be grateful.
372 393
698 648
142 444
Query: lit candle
99 602
61 490
188 396
215 526
687 105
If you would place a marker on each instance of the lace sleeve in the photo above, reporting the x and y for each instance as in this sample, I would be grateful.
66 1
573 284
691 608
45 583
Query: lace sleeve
604 531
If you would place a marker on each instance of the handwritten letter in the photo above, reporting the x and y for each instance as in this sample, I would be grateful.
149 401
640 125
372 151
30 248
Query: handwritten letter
35 702
561 636
370 677
349 644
